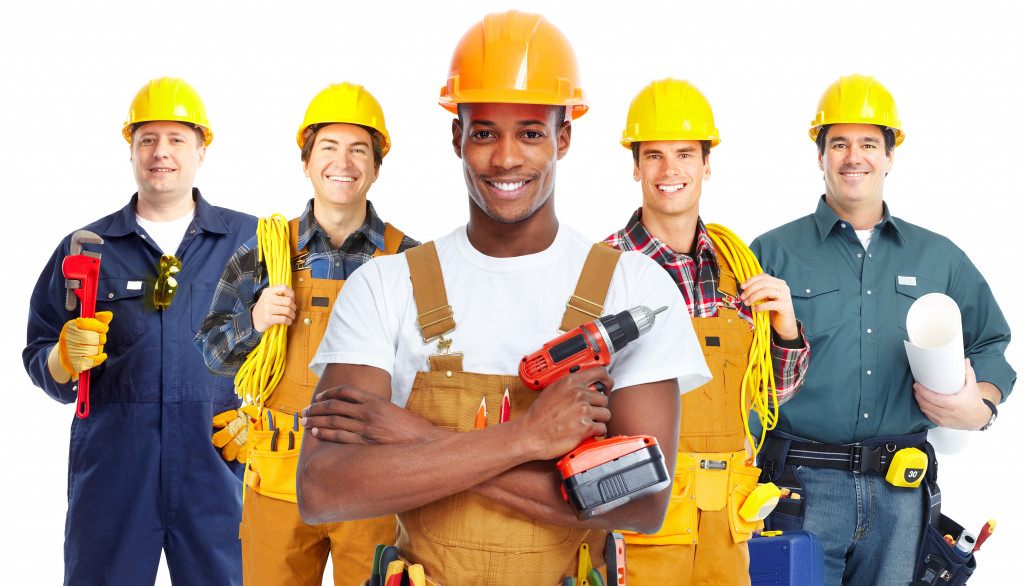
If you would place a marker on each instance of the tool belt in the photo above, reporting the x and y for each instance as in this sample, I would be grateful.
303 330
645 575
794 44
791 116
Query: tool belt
708 482
937 562
874 455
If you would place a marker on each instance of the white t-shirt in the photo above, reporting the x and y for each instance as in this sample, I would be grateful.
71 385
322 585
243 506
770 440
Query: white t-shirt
504 309
167 235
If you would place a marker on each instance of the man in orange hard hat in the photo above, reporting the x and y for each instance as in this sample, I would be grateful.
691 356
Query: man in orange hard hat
855 270
343 141
143 476
671 130
450 322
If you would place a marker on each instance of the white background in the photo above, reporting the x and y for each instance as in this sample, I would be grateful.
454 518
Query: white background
69 69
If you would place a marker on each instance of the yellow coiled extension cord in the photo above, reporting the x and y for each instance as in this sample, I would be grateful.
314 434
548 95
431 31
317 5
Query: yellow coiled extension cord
264 366
759 378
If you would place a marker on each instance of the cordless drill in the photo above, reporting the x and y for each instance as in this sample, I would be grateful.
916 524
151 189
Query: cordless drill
600 475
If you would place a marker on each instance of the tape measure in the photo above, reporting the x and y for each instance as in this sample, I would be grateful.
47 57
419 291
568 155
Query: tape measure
760 503
908 468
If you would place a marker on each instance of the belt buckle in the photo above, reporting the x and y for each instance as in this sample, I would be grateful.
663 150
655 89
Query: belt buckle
865 458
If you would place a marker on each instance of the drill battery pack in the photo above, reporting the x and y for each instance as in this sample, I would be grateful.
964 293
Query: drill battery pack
601 475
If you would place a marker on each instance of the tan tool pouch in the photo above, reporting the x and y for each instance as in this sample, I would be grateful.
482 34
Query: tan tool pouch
272 472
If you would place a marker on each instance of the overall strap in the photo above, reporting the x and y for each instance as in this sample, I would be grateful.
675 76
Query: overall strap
436 317
726 278
392 240
596 276
293 238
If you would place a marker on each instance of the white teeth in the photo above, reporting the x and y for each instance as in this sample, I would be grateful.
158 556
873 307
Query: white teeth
161 170
341 179
858 174
670 188
509 186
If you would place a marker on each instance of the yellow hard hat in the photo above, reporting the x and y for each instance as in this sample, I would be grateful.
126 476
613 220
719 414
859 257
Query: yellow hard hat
514 58
856 99
167 98
670 109
345 103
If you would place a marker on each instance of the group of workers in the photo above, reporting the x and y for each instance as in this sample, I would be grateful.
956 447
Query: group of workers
369 435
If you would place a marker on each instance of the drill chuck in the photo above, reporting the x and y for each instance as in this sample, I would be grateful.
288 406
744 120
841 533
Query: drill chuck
626 326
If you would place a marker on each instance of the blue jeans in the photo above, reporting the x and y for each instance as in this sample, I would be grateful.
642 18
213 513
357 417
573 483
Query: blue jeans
870 530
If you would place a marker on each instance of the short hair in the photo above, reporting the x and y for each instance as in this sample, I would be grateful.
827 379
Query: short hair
559 115
200 133
705 150
375 137
888 135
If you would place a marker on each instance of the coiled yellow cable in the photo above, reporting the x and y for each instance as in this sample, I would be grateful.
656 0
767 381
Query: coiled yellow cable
759 377
264 366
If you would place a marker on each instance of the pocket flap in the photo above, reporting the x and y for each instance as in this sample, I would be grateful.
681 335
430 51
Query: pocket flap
812 283
711 485
113 289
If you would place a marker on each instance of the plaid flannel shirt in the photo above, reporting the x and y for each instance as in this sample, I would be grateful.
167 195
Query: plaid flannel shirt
226 336
697 278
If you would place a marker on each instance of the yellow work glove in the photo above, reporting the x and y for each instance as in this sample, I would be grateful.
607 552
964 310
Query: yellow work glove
80 346
233 436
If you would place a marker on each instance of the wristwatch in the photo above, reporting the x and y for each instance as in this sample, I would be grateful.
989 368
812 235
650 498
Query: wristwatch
992 419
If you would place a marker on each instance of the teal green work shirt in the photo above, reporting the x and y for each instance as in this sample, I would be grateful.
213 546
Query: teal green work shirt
853 305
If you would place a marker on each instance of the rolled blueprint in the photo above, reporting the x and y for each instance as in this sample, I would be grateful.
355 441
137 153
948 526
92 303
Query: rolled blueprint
936 355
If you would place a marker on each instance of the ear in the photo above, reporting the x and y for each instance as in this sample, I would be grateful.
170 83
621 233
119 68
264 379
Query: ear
457 137
636 171
376 173
821 162
201 154
564 138
888 166
305 168
707 168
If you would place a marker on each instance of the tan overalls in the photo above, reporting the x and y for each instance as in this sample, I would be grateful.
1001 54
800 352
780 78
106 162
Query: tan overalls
703 540
467 539
277 547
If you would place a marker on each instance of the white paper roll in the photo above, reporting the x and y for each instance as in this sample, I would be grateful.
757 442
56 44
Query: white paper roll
936 355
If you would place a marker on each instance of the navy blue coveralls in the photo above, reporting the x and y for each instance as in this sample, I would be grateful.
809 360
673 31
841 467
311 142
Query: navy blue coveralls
142 472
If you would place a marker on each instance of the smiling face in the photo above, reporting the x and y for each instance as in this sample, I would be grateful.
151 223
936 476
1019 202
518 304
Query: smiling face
508 153
165 157
671 174
340 166
855 165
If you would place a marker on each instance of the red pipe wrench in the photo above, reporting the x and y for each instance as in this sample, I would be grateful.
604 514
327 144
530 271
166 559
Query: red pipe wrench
81 276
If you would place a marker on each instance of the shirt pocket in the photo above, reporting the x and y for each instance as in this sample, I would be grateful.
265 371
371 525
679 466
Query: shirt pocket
907 294
125 299
816 300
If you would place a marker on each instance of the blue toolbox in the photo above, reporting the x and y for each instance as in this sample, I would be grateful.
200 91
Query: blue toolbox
791 558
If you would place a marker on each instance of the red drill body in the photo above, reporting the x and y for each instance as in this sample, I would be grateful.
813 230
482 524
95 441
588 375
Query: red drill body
600 475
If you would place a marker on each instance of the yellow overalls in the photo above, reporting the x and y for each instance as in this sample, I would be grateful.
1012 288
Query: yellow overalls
278 548
465 538
703 540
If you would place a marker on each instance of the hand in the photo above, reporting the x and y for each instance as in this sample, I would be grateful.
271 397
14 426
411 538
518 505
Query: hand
766 293
348 415
961 410
568 412
233 436
276 305
79 347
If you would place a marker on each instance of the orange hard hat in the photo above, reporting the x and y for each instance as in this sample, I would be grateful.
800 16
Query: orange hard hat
514 58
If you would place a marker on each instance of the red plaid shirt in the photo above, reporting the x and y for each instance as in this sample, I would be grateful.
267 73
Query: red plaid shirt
697 278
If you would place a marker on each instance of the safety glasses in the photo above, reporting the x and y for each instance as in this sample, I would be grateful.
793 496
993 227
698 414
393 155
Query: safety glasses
166 285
